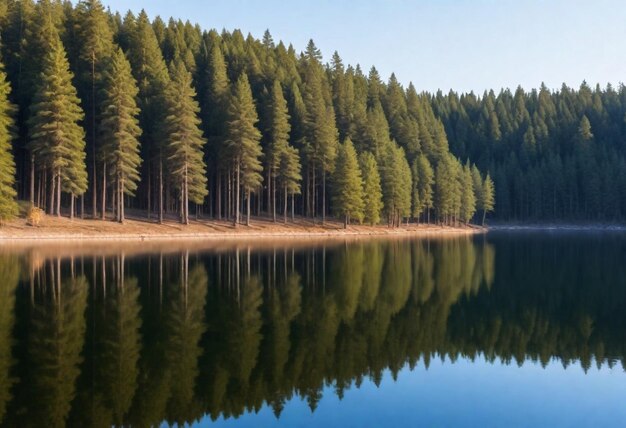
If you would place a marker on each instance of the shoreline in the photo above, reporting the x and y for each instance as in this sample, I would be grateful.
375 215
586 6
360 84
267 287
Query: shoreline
64 230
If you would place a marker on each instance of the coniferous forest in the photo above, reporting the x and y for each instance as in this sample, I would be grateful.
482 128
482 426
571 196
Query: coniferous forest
103 114
100 113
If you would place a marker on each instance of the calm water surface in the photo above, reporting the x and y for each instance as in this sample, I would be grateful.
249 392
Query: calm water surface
504 330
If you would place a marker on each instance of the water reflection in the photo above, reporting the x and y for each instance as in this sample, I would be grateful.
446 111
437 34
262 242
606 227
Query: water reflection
131 339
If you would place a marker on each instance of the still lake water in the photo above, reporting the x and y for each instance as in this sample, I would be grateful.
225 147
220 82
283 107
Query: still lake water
507 329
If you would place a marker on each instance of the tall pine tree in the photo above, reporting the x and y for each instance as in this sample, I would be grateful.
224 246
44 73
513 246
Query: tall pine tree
185 144
120 131
348 185
8 204
243 141
57 139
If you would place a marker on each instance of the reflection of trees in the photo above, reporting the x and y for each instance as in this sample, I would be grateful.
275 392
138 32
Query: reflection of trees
9 276
276 324
55 340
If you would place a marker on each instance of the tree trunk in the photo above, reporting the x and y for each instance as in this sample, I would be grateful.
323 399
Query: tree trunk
94 196
58 193
149 186
293 217
32 180
345 221
236 216
248 207
484 215
72 207
104 193
286 202
122 214
323 196
219 196
269 189
53 183
160 190
274 199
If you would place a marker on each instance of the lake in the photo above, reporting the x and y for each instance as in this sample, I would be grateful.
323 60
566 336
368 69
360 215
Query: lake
506 329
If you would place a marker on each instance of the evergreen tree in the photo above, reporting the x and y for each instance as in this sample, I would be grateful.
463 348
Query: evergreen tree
279 139
215 109
120 130
152 78
396 183
243 142
488 201
95 47
8 204
185 144
289 177
468 196
57 141
348 185
372 191
425 182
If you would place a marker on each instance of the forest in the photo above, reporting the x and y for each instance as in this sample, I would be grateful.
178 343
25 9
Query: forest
134 340
102 113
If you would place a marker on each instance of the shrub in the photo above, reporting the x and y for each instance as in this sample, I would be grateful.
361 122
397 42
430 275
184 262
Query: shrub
34 216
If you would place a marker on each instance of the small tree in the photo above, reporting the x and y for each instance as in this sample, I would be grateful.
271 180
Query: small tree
489 200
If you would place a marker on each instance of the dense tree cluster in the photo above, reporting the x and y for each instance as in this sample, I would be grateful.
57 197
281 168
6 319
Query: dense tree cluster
554 155
124 111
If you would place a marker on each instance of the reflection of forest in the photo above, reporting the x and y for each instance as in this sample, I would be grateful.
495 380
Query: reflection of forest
118 341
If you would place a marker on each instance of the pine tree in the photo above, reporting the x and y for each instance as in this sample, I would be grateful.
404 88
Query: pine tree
120 130
185 144
57 141
8 204
372 190
425 181
488 202
348 185
289 177
320 130
95 47
151 74
243 142
477 182
279 139
396 183
215 114
468 197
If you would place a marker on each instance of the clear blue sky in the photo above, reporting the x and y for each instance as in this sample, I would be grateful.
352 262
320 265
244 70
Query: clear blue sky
437 44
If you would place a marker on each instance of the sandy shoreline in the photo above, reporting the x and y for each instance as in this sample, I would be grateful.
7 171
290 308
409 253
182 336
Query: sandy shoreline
64 230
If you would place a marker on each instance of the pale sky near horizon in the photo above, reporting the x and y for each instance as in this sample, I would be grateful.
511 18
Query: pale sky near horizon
437 44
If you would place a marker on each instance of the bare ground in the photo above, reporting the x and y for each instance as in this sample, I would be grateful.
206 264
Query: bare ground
138 229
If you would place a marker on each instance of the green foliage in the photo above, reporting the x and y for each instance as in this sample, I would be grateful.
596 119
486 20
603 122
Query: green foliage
119 127
8 203
396 183
348 198
284 123
242 136
372 190
57 140
185 145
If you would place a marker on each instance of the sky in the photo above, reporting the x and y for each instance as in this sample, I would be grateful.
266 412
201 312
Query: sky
465 45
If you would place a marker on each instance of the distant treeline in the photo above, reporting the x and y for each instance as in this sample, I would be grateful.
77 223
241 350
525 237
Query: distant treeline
553 155
99 112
